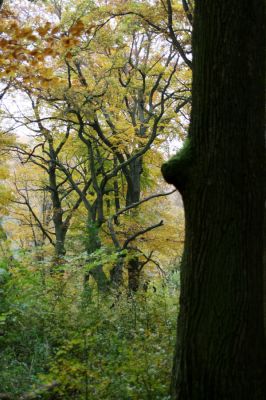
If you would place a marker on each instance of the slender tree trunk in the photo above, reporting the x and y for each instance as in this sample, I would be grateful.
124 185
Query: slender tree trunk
60 235
133 181
133 176
133 196
100 278
60 229
117 200
133 274
220 352
59 225
116 273
93 243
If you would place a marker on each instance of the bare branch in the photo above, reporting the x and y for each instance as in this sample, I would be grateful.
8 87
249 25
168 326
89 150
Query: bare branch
187 11
27 203
173 35
142 201
113 234
133 237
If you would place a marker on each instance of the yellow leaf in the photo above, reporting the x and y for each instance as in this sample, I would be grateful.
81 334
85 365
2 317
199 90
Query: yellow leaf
77 28
55 30
25 32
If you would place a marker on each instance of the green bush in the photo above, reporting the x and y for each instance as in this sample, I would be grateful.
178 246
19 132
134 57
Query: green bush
94 346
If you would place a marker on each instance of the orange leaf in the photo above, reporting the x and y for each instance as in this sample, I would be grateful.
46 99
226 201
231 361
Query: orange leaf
55 30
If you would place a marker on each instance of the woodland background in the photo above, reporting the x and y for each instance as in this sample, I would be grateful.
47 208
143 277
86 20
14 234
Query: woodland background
95 95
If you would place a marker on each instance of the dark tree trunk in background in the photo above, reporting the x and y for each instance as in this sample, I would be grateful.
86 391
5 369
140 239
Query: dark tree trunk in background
59 226
133 274
220 173
60 240
93 243
116 273
133 177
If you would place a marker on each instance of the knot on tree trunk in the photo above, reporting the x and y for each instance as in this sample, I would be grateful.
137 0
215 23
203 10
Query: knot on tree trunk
176 170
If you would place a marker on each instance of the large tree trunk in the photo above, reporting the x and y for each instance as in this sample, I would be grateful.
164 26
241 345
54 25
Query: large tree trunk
264 246
264 271
220 341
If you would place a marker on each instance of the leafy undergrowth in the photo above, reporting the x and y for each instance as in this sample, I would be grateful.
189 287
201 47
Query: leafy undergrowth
82 343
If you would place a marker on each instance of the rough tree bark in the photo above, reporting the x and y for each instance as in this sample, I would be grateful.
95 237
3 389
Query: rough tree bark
220 173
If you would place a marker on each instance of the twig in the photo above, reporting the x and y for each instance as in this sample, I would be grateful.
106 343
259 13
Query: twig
141 202
133 237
